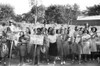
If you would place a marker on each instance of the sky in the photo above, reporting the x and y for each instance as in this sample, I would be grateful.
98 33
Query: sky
23 6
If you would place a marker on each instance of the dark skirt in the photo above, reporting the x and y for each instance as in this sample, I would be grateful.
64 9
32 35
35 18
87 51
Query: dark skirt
53 49
66 48
75 49
22 50
9 46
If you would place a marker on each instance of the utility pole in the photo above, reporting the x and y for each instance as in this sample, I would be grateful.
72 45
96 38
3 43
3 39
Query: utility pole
34 3
36 12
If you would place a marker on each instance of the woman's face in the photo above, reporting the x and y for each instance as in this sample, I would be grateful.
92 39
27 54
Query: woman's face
86 32
62 31
21 33
65 30
5 30
93 30
58 31
27 30
52 31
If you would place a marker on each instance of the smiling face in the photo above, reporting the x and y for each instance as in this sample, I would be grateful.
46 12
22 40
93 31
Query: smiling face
58 31
21 33
94 29
27 30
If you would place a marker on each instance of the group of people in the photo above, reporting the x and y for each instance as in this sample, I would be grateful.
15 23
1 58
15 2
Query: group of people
56 44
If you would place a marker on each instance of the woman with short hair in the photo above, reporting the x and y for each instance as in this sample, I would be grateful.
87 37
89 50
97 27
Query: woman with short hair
94 36
27 36
22 46
86 44
52 44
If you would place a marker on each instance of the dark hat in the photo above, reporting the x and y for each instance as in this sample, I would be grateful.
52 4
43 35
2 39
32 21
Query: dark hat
93 29
85 31
10 21
86 24
38 29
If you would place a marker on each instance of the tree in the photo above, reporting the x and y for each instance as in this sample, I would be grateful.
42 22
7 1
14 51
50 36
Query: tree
28 17
40 12
76 11
93 10
17 18
6 12
53 14
61 14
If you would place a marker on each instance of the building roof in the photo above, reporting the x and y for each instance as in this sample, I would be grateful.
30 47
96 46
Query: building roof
97 17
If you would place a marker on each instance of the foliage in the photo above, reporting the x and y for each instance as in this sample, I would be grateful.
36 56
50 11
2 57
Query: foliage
93 10
17 18
52 14
61 14
40 13
6 12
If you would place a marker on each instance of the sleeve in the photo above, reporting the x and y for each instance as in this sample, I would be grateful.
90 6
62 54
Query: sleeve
48 42
19 39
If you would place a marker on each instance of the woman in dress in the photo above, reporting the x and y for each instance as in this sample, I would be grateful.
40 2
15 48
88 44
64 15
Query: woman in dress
65 45
37 47
45 46
22 46
75 44
27 36
9 40
59 43
93 42
53 44
4 47
86 38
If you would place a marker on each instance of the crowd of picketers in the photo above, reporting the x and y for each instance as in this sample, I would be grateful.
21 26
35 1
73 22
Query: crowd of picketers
83 45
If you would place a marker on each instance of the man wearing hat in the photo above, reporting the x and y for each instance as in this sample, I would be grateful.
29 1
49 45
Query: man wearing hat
12 26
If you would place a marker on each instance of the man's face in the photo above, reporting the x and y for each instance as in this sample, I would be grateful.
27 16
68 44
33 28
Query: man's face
10 24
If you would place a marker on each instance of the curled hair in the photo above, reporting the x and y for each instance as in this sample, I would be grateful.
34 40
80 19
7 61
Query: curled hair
22 32
94 28
8 29
49 30
85 31
29 30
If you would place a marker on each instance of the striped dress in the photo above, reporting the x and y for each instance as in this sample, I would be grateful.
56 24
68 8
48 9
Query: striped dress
22 48
86 43
76 46
59 45
93 42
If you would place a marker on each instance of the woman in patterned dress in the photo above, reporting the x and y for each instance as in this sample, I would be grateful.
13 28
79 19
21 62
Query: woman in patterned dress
22 46
75 45
27 36
45 47
37 47
86 39
59 43
8 32
4 47
93 42
65 45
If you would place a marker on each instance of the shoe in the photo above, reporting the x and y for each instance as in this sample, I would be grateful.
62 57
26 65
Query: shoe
61 63
4 63
27 60
73 61
79 62
64 62
48 63
54 62
57 58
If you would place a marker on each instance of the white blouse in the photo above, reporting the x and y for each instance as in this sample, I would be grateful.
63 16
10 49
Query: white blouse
52 38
